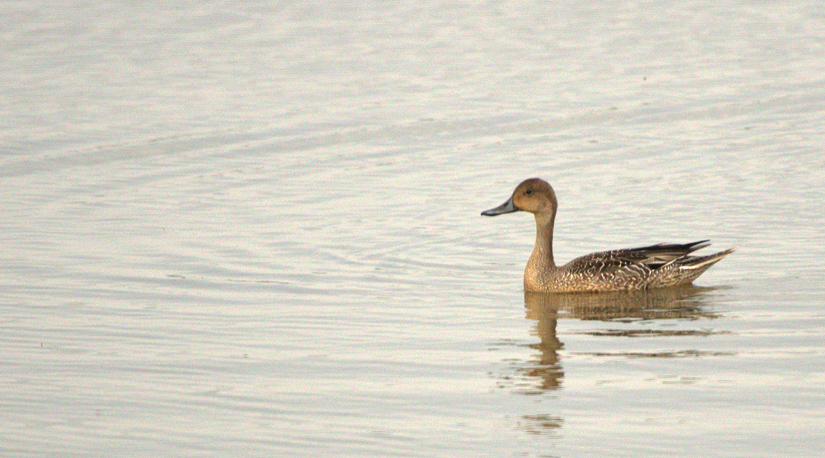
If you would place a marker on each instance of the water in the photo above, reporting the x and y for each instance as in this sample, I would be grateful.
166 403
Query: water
253 230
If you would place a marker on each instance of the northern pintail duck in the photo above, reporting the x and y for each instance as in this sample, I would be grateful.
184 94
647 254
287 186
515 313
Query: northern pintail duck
654 266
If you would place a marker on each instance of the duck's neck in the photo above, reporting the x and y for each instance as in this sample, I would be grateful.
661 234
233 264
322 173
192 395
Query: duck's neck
541 261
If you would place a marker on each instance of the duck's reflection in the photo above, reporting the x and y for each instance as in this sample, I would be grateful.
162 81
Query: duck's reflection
685 302
544 372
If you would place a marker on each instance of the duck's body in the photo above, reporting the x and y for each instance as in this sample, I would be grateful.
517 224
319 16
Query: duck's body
655 266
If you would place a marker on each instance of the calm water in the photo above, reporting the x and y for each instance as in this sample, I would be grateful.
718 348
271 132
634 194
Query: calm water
254 230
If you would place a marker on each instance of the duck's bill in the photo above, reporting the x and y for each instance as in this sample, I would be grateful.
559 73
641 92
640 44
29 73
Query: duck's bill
506 207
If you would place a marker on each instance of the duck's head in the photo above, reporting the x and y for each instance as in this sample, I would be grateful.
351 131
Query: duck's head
534 195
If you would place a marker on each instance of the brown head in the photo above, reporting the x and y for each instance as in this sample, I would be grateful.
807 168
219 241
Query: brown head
534 195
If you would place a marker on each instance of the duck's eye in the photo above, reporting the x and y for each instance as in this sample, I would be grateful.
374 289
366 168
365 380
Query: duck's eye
528 192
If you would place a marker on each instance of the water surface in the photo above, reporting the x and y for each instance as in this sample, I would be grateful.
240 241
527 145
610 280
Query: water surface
253 230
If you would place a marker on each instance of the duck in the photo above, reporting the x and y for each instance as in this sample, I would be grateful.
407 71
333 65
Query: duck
655 266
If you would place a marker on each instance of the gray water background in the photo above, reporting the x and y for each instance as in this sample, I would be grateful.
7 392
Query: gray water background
253 229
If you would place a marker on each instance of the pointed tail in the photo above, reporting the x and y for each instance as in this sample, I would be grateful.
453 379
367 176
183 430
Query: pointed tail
704 262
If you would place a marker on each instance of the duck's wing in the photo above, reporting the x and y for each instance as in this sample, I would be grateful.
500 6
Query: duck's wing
639 260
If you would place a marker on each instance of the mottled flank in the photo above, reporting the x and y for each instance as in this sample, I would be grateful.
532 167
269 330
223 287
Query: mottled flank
654 266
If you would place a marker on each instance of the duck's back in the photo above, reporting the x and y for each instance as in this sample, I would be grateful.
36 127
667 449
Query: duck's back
654 266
